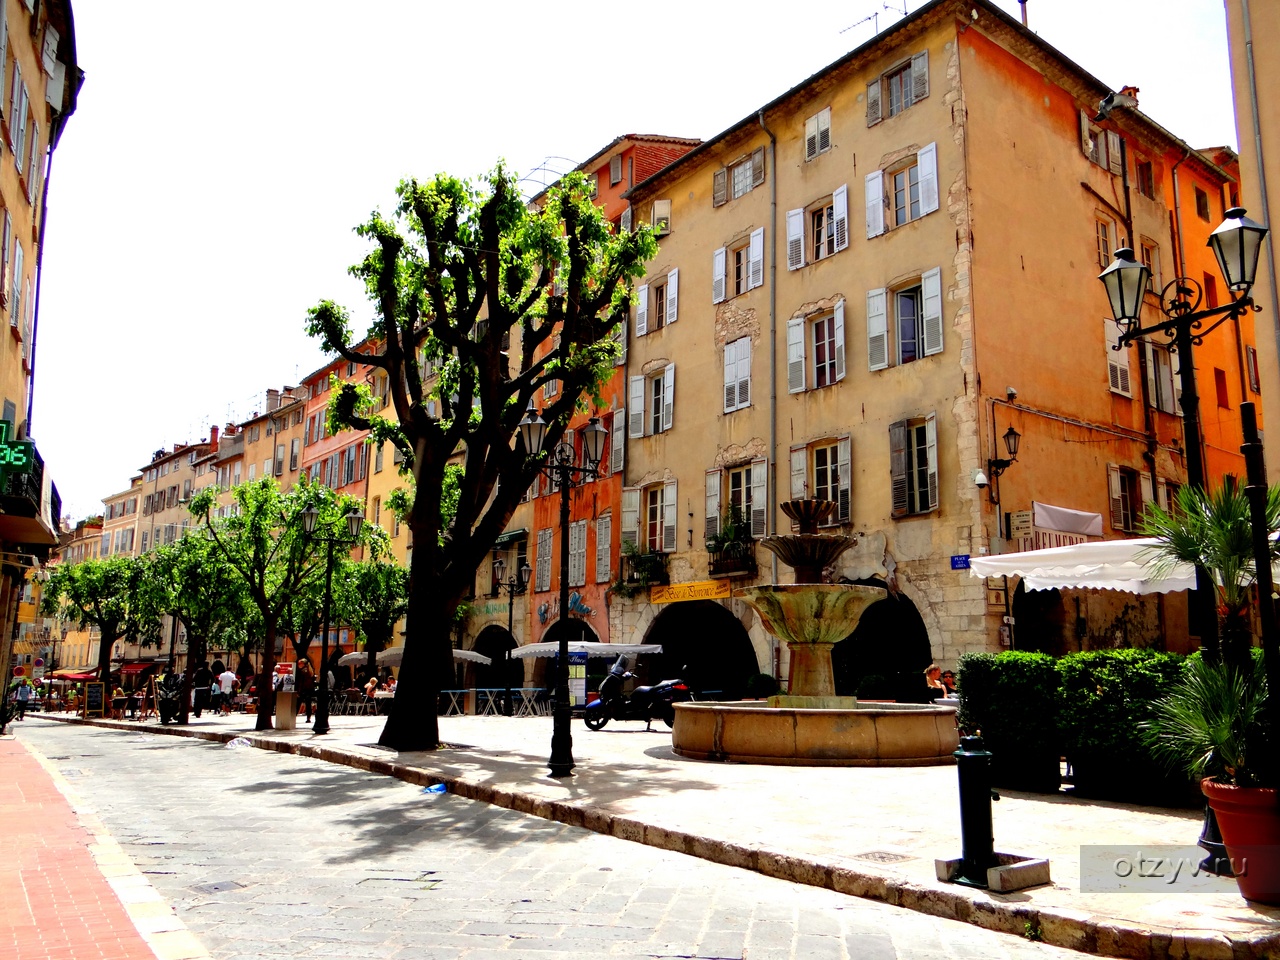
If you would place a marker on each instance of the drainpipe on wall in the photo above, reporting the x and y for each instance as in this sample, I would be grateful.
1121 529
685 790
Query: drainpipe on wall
773 335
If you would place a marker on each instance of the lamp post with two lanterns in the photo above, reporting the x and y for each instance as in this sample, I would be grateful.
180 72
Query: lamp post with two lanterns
310 518
562 469
515 584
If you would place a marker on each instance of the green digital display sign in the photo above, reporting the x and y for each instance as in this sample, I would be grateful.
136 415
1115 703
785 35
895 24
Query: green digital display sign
16 456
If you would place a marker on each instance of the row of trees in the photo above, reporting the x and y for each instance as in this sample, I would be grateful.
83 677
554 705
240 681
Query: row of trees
241 582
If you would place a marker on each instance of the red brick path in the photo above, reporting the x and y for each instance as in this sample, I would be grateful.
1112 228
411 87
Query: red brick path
54 902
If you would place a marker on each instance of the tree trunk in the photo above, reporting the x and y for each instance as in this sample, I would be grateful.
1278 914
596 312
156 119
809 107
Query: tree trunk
266 694
428 659
104 651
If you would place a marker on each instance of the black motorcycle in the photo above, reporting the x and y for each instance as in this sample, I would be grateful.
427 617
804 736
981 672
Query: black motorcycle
645 703
168 692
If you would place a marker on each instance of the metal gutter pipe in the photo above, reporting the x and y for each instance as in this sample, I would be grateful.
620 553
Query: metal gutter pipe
773 333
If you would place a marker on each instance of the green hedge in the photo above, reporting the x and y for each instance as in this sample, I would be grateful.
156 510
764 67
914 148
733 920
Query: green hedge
1011 699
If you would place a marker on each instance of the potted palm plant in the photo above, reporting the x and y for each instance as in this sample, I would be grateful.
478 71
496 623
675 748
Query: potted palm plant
1214 723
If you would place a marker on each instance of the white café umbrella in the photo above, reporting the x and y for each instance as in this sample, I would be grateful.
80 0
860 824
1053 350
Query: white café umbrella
590 648
393 656
1127 565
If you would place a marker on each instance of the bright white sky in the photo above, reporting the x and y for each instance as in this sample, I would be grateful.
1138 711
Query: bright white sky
203 195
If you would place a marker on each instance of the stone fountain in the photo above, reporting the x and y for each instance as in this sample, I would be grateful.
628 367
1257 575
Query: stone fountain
810 725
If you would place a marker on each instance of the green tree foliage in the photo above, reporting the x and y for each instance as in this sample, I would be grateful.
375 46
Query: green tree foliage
263 546
461 279
373 596
113 594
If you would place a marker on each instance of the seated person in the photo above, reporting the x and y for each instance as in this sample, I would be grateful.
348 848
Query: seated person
949 681
371 687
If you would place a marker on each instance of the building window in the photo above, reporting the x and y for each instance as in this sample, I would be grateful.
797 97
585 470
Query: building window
652 402
377 458
1117 360
1251 364
915 314
578 553
1100 146
742 491
1220 385
901 194
657 303
615 170
1161 391
1146 179
1202 206
817 134
604 543
1210 291
827 223
1128 490
815 350
1102 232
738 178
1150 254
913 466
542 562
822 470
745 259
649 517
655 516
737 374
898 89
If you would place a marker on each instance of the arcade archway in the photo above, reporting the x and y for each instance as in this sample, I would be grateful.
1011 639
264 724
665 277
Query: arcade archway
493 642
886 655
578 630
703 644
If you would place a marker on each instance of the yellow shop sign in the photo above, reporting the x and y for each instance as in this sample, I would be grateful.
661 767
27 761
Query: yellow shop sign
700 590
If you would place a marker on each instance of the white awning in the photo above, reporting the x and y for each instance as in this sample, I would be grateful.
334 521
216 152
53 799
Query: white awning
590 648
393 656
1103 564
1065 520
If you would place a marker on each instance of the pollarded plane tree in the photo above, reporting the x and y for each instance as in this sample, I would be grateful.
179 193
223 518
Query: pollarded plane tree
461 279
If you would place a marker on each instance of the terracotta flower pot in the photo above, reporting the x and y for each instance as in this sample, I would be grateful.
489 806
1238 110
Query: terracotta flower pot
1249 818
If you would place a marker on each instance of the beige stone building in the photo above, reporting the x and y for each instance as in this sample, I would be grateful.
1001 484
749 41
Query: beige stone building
862 286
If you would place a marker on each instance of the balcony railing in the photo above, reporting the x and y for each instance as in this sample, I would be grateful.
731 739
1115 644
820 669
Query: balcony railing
646 568
735 559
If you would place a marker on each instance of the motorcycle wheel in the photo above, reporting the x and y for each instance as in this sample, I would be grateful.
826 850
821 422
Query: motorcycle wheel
669 714
595 719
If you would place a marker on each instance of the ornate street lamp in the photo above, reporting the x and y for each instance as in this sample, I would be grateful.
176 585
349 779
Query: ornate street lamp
561 468
310 518
516 584
998 465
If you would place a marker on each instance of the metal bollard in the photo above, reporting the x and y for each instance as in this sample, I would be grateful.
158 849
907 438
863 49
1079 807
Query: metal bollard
977 836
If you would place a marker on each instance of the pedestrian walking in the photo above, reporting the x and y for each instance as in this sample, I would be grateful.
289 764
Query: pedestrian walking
202 681
227 682
23 697
305 683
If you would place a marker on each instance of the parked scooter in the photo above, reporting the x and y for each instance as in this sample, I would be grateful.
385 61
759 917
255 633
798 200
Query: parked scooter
645 703
168 690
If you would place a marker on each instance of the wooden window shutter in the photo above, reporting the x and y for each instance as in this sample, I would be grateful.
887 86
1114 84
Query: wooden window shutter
635 424
718 260
630 532
840 214
795 355
757 166
617 442
931 454
642 310
615 169
1113 153
744 372
673 294
877 330
799 472
1251 364
927 165
759 497
1153 392
731 376
619 336
898 467
1148 495
626 219
931 310
920 76
1162 494
844 479
604 538
795 239
874 194
668 395
1116 496
1117 361
873 102
4 45
839 338
824 129
811 137
711 515
669 516
1086 136
719 187
755 277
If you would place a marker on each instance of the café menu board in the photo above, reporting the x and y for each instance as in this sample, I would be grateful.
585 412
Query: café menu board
95 702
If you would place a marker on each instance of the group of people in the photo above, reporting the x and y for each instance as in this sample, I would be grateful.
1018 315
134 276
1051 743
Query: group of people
943 681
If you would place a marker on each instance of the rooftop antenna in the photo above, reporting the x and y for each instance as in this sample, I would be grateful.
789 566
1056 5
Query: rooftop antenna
1023 5
874 16
895 9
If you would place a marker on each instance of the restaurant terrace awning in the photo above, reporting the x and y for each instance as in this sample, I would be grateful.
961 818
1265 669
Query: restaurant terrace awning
393 656
1126 565
590 648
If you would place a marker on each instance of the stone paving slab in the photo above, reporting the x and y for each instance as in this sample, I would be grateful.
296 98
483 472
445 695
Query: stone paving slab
867 832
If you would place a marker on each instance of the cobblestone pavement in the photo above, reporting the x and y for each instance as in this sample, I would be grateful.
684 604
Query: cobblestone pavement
267 855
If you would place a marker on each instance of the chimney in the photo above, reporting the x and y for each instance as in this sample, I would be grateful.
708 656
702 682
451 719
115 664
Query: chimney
273 399
1130 92
213 437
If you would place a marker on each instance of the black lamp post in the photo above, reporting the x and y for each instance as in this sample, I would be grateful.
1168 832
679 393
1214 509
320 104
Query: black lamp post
1236 244
310 517
515 584
561 468
998 465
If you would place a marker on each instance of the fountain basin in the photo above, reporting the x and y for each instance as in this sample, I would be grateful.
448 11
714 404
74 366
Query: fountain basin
871 735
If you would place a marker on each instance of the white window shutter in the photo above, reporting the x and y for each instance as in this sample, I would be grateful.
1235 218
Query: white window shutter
669 517
824 129
1162 494
615 169
799 472
617 442
1117 361
1086 138
927 165
795 355
635 425
668 396
920 76
795 239
626 219
731 376
673 294
759 497
620 338
717 275
840 214
844 479
1153 395
875 203
1116 496
604 543
744 372
873 102
4 45
1148 496
931 310
931 440
630 532
811 137
642 310
711 514
755 277
898 468
877 330
839 335
1113 153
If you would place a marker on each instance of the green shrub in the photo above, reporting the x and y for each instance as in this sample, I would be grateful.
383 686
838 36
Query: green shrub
1011 700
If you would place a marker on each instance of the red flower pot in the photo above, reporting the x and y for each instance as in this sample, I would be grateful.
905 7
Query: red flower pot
1249 818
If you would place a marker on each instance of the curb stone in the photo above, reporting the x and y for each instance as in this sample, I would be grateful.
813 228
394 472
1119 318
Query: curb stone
1056 927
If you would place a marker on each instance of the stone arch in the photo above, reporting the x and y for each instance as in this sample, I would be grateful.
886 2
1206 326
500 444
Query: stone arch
885 656
579 629
708 639
494 641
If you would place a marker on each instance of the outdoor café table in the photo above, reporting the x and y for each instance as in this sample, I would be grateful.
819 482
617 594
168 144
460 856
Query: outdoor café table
527 702
489 701
453 701
383 698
